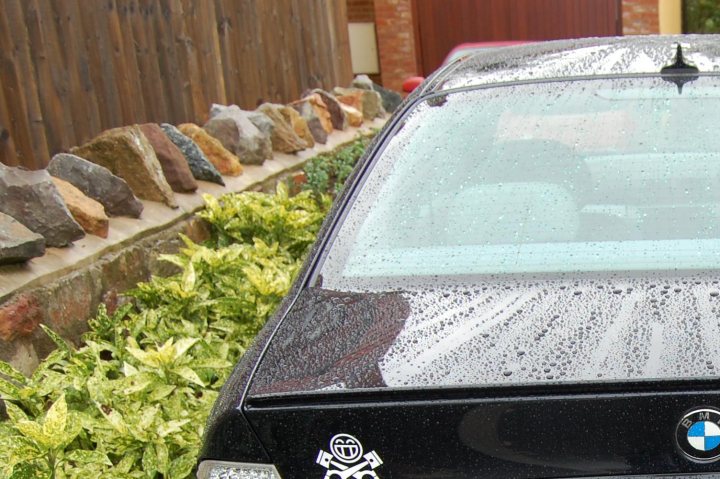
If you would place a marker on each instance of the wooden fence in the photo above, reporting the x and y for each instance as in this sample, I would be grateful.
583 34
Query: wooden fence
72 68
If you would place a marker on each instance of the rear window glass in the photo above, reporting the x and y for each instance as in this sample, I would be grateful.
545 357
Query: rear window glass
559 232
581 176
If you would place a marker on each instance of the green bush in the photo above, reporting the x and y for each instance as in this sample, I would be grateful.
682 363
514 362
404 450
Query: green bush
327 173
132 401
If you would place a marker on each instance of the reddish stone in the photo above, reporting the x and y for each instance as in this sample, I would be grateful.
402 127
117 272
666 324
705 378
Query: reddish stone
175 167
19 317
297 181
87 212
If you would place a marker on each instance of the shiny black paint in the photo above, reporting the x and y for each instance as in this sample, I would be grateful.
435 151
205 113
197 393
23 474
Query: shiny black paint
536 436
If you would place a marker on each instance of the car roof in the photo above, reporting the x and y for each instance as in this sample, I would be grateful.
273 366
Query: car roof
576 58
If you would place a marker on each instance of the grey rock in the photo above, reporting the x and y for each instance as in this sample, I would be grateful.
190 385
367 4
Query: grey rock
234 128
363 82
98 183
316 130
337 115
32 199
216 109
390 99
262 122
17 243
200 166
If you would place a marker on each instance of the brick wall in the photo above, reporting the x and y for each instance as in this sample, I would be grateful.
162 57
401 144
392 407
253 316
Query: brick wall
396 41
640 17
360 11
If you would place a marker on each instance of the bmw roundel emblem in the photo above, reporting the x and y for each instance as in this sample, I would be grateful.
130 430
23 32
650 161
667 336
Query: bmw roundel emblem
698 434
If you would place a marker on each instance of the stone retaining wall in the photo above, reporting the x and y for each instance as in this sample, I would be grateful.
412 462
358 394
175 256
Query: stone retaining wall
64 288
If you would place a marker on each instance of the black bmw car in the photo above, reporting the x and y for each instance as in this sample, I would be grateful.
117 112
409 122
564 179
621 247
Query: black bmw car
521 280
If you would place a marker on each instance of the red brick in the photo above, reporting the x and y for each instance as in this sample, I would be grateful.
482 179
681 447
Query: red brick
640 17
396 41
360 11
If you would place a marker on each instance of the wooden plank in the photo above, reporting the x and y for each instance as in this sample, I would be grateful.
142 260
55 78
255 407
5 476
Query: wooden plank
33 145
100 69
49 85
308 28
301 67
7 144
169 62
151 81
343 73
52 75
266 15
12 118
189 59
251 63
117 56
228 53
127 12
205 41
81 88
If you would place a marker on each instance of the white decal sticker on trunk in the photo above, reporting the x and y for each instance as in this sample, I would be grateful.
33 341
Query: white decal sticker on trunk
346 460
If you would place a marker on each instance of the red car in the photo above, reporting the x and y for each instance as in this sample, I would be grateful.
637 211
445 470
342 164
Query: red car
460 51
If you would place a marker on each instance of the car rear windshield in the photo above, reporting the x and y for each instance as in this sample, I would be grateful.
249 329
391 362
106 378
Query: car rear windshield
557 232
599 175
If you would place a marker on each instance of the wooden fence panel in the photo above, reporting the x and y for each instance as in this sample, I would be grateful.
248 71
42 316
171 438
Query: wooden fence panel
72 68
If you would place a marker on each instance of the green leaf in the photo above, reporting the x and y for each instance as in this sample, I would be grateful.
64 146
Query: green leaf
55 421
30 470
129 369
150 461
212 363
183 345
115 419
163 457
182 466
12 373
20 449
81 456
34 432
161 392
188 279
59 342
189 375
148 358
9 390
15 413
138 383
171 427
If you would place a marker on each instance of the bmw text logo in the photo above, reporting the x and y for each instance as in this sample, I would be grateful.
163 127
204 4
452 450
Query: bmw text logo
698 435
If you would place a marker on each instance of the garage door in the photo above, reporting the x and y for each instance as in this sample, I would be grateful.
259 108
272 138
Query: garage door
442 24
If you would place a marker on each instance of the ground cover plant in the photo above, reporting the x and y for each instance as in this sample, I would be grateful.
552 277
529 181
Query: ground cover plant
132 400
